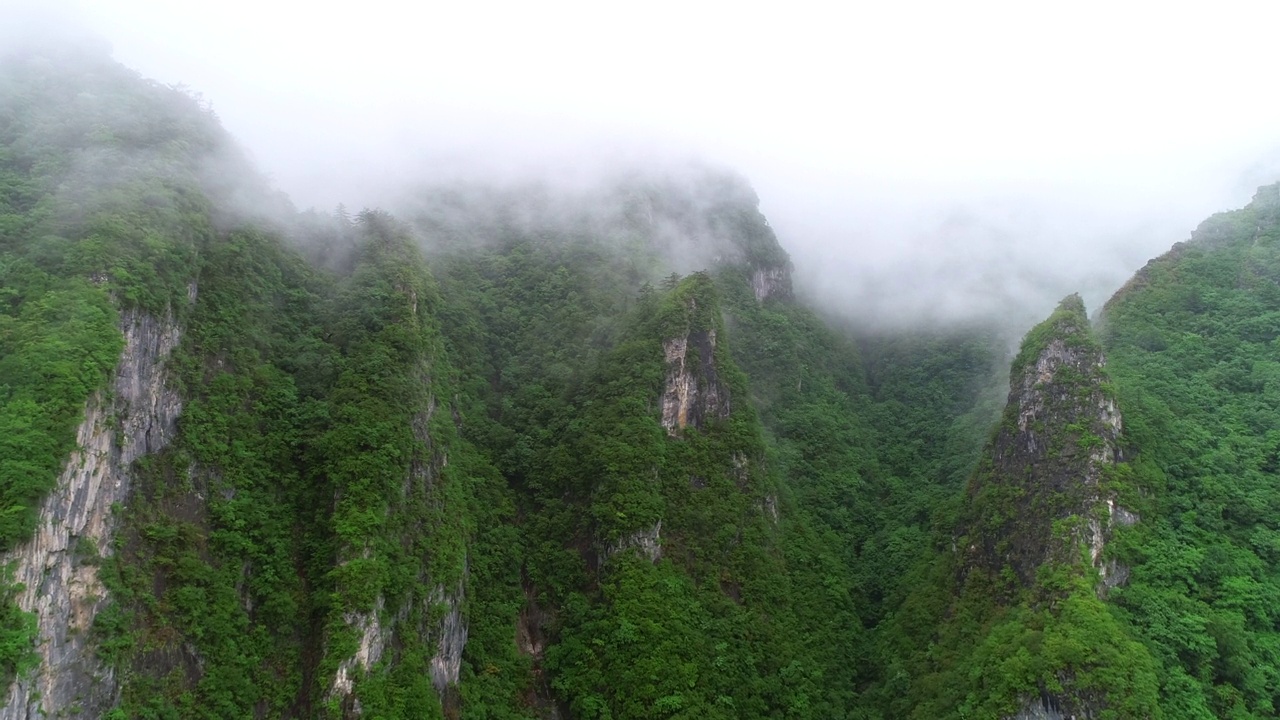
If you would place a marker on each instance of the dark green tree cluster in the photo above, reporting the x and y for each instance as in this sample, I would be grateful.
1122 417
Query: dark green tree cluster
1194 347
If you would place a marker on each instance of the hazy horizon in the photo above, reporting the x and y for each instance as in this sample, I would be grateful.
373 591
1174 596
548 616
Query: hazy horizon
915 160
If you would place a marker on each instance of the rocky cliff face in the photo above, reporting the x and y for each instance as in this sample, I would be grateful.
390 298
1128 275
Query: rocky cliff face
56 567
376 634
646 541
1060 433
1043 708
446 664
373 640
1040 506
1072 704
771 282
693 392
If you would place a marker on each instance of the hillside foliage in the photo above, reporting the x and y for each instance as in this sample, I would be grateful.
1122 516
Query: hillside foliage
513 452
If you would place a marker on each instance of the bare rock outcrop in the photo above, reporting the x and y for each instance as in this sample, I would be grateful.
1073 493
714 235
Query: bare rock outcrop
1077 704
61 584
446 664
645 541
693 392
372 643
771 282
382 629
1060 435
1041 708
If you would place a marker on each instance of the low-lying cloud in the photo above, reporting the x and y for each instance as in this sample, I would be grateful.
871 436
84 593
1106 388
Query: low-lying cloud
919 161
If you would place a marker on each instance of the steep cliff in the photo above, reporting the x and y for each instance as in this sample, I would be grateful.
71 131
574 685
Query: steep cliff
618 414
1021 630
102 211
400 517
692 394
58 567
301 548
1041 495
680 530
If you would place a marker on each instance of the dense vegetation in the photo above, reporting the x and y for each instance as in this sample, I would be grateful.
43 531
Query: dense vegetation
852 517
1011 611
88 226
519 453
1193 343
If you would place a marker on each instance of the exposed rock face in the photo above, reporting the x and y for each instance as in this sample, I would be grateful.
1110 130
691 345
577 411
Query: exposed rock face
693 392
373 640
531 640
1060 434
770 507
137 418
1076 705
1041 499
1042 708
446 664
645 541
376 634
1112 573
771 282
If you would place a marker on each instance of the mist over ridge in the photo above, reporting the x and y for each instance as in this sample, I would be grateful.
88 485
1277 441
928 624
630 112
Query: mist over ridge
547 363
972 167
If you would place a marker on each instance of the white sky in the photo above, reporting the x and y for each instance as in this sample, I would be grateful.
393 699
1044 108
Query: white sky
1069 141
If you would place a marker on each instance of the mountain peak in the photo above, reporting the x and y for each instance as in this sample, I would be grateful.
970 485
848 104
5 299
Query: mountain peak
1072 304
1060 433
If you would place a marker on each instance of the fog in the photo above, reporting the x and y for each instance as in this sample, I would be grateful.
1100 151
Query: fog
918 160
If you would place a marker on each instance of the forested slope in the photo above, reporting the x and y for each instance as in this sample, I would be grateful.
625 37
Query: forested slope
1149 593
323 473
1194 342
528 451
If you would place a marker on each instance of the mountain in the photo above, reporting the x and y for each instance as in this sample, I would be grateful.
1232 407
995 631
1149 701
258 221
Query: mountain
1192 342
528 451
1023 630
1110 557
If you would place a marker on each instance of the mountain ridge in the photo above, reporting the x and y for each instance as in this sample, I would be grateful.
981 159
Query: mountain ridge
518 454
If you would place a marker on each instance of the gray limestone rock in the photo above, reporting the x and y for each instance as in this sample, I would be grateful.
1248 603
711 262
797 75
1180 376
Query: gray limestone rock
137 417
